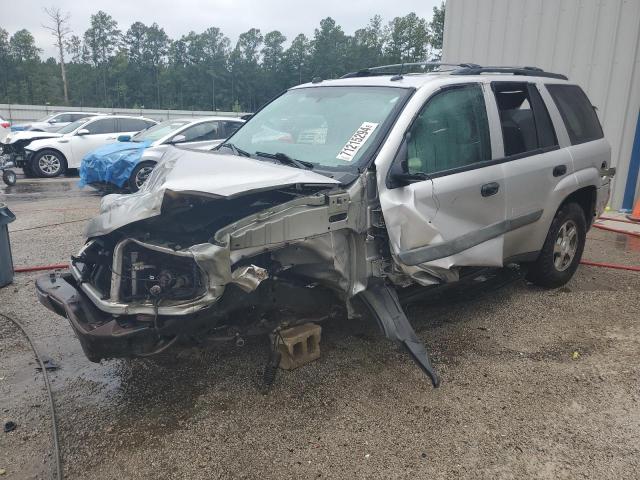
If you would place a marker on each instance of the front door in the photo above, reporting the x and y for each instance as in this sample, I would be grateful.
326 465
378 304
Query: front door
101 132
446 207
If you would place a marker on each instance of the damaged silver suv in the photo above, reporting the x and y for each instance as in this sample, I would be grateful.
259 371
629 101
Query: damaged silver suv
346 192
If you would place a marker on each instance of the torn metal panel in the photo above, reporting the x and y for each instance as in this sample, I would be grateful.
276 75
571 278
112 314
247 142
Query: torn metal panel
248 278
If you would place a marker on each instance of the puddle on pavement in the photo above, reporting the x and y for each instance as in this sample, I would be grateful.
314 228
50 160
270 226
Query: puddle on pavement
36 189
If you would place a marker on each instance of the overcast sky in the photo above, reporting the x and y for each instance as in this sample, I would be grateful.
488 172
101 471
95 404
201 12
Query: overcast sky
179 17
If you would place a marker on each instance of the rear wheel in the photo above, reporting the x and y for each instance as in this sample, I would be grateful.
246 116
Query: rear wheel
562 250
49 163
140 175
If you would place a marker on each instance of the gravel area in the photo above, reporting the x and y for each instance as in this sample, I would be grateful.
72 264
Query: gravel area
535 384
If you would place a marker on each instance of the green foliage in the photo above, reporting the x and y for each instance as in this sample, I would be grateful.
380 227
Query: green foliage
144 67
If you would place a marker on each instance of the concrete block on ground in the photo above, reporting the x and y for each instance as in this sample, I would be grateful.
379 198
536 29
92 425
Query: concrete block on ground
299 345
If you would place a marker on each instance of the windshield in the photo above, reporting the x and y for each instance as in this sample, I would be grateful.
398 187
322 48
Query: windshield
330 127
160 130
72 126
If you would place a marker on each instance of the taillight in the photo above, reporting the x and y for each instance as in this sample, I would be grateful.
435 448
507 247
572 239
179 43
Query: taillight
5 124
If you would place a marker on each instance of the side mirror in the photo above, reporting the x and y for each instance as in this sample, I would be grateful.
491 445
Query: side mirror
124 138
399 173
179 139
82 132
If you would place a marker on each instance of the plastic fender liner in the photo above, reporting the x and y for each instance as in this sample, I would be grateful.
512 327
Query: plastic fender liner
383 302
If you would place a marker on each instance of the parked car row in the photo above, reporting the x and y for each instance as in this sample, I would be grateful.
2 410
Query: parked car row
109 149
128 163
49 154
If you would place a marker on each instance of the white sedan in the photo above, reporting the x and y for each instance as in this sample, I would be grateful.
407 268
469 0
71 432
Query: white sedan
50 157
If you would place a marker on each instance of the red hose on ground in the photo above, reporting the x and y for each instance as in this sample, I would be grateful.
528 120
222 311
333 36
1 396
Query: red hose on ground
621 220
616 230
40 268
615 266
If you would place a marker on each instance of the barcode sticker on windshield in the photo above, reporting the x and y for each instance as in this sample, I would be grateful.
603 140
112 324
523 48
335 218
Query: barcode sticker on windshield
356 141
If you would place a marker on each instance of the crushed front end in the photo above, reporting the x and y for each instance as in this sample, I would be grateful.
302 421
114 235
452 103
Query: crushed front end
230 256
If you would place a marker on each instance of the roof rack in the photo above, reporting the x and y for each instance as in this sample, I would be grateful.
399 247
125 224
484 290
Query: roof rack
398 69
530 71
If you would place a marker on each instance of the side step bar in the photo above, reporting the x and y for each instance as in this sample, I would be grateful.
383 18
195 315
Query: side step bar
384 304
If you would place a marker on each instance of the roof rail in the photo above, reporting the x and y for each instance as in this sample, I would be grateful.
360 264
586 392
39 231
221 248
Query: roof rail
458 69
530 71
400 68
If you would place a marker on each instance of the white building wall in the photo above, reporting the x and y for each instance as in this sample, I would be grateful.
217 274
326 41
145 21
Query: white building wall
596 43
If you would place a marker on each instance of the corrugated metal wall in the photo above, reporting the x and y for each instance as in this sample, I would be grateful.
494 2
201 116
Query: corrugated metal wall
595 42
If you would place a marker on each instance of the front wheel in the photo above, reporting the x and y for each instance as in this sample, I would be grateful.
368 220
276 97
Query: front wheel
562 250
49 163
9 177
140 175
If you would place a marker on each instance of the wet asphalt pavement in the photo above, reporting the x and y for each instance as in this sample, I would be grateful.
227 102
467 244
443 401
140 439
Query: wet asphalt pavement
516 401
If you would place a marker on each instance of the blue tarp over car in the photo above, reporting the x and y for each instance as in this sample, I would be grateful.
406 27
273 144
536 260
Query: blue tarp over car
112 163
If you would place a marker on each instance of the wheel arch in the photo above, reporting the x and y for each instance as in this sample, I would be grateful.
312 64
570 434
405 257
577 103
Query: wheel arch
35 153
585 197
60 152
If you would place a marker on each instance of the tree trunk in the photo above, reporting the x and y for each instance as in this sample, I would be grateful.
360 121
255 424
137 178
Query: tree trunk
63 71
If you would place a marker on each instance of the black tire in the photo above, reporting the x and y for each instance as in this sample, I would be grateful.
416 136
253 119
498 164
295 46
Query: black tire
140 174
28 170
9 177
560 255
44 163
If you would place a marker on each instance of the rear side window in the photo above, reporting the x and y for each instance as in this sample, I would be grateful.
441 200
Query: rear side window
106 125
578 114
132 124
452 131
203 132
525 122
231 127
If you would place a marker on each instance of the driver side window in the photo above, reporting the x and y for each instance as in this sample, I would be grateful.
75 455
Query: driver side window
452 131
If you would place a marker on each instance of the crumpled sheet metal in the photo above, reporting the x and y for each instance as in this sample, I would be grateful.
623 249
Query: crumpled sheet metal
249 277
205 173
112 163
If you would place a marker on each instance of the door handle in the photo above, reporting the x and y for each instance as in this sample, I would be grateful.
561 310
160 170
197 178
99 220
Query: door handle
559 170
111 138
489 189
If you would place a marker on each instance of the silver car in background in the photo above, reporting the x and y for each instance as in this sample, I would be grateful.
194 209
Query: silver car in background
52 122
200 134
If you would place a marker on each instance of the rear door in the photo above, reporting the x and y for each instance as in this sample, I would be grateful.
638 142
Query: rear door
452 212
101 132
538 173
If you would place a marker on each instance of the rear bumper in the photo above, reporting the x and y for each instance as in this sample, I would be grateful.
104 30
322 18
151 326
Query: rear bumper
101 335
602 198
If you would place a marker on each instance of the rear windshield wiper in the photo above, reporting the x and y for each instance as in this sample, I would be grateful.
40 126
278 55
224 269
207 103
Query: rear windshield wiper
284 158
235 150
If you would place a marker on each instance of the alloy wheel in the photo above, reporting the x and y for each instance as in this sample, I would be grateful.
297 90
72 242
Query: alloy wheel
49 164
566 245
